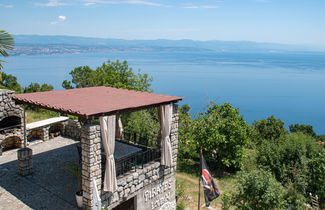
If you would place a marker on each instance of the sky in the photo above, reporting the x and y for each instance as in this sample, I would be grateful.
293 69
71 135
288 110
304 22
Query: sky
279 21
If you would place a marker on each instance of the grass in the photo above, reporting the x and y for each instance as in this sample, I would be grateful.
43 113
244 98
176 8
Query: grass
188 178
33 116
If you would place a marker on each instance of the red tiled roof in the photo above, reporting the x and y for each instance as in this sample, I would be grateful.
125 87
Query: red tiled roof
93 100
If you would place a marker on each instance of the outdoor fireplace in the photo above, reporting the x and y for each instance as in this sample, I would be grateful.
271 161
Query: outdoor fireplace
11 122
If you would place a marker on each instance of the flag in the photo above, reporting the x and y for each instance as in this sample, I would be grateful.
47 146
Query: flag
210 188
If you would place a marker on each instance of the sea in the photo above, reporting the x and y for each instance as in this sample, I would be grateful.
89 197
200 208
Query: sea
290 86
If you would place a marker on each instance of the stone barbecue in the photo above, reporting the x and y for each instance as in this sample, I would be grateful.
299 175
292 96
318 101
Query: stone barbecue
11 122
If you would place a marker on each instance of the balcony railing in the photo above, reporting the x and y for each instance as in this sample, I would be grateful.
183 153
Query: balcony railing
136 160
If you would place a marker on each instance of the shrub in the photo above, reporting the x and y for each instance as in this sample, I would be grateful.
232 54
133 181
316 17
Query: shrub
295 159
258 190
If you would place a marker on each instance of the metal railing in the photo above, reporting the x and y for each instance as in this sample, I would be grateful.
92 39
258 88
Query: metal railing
142 140
136 160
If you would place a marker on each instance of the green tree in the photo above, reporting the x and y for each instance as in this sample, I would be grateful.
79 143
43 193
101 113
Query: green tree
143 123
185 138
305 129
10 82
6 43
119 75
35 87
223 134
270 128
113 74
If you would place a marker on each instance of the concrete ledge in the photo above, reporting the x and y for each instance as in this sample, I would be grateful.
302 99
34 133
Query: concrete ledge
46 122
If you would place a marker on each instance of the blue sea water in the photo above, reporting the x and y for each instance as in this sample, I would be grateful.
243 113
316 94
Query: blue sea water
290 86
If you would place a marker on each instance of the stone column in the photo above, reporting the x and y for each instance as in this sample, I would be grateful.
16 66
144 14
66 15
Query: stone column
91 162
174 135
46 133
25 164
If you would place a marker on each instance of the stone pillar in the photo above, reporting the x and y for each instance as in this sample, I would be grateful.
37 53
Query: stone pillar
91 162
174 135
46 133
25 164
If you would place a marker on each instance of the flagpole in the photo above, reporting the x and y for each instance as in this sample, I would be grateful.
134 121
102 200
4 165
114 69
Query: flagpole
199 198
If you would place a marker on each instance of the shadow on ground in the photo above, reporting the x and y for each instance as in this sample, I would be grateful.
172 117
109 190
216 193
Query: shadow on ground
50 186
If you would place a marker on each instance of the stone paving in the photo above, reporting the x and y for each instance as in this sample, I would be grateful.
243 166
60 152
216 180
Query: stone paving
49 187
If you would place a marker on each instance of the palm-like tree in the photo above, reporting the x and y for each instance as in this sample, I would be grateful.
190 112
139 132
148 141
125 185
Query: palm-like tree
6 43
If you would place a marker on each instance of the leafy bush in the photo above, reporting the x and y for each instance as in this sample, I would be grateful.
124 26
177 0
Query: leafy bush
295 159
270 128
258 190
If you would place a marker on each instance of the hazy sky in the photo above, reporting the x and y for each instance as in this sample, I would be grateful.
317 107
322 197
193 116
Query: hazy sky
282 21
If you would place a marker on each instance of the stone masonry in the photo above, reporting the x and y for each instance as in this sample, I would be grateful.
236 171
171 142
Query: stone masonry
72 128
91 161
130 184
8 108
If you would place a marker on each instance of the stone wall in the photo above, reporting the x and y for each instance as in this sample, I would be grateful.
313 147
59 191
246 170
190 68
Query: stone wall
131 184
72 129
8 108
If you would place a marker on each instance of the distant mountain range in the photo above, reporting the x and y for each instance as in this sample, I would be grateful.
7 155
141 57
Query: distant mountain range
42 44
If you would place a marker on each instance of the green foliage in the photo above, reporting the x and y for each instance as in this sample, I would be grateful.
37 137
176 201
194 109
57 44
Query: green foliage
223 134
296 159
270 128
227 200
6 43
305 129
295 199
258 190
185 139
144 123
321 138
35 87
10 82
113 74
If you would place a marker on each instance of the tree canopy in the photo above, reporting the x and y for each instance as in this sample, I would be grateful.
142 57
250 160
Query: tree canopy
35 87
223 133
270 128
305 129
113 74
10 82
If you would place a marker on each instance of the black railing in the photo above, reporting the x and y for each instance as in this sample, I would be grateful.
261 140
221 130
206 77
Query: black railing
143 140
136 160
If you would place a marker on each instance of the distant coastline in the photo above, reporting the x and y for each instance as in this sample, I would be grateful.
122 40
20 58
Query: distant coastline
55 45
